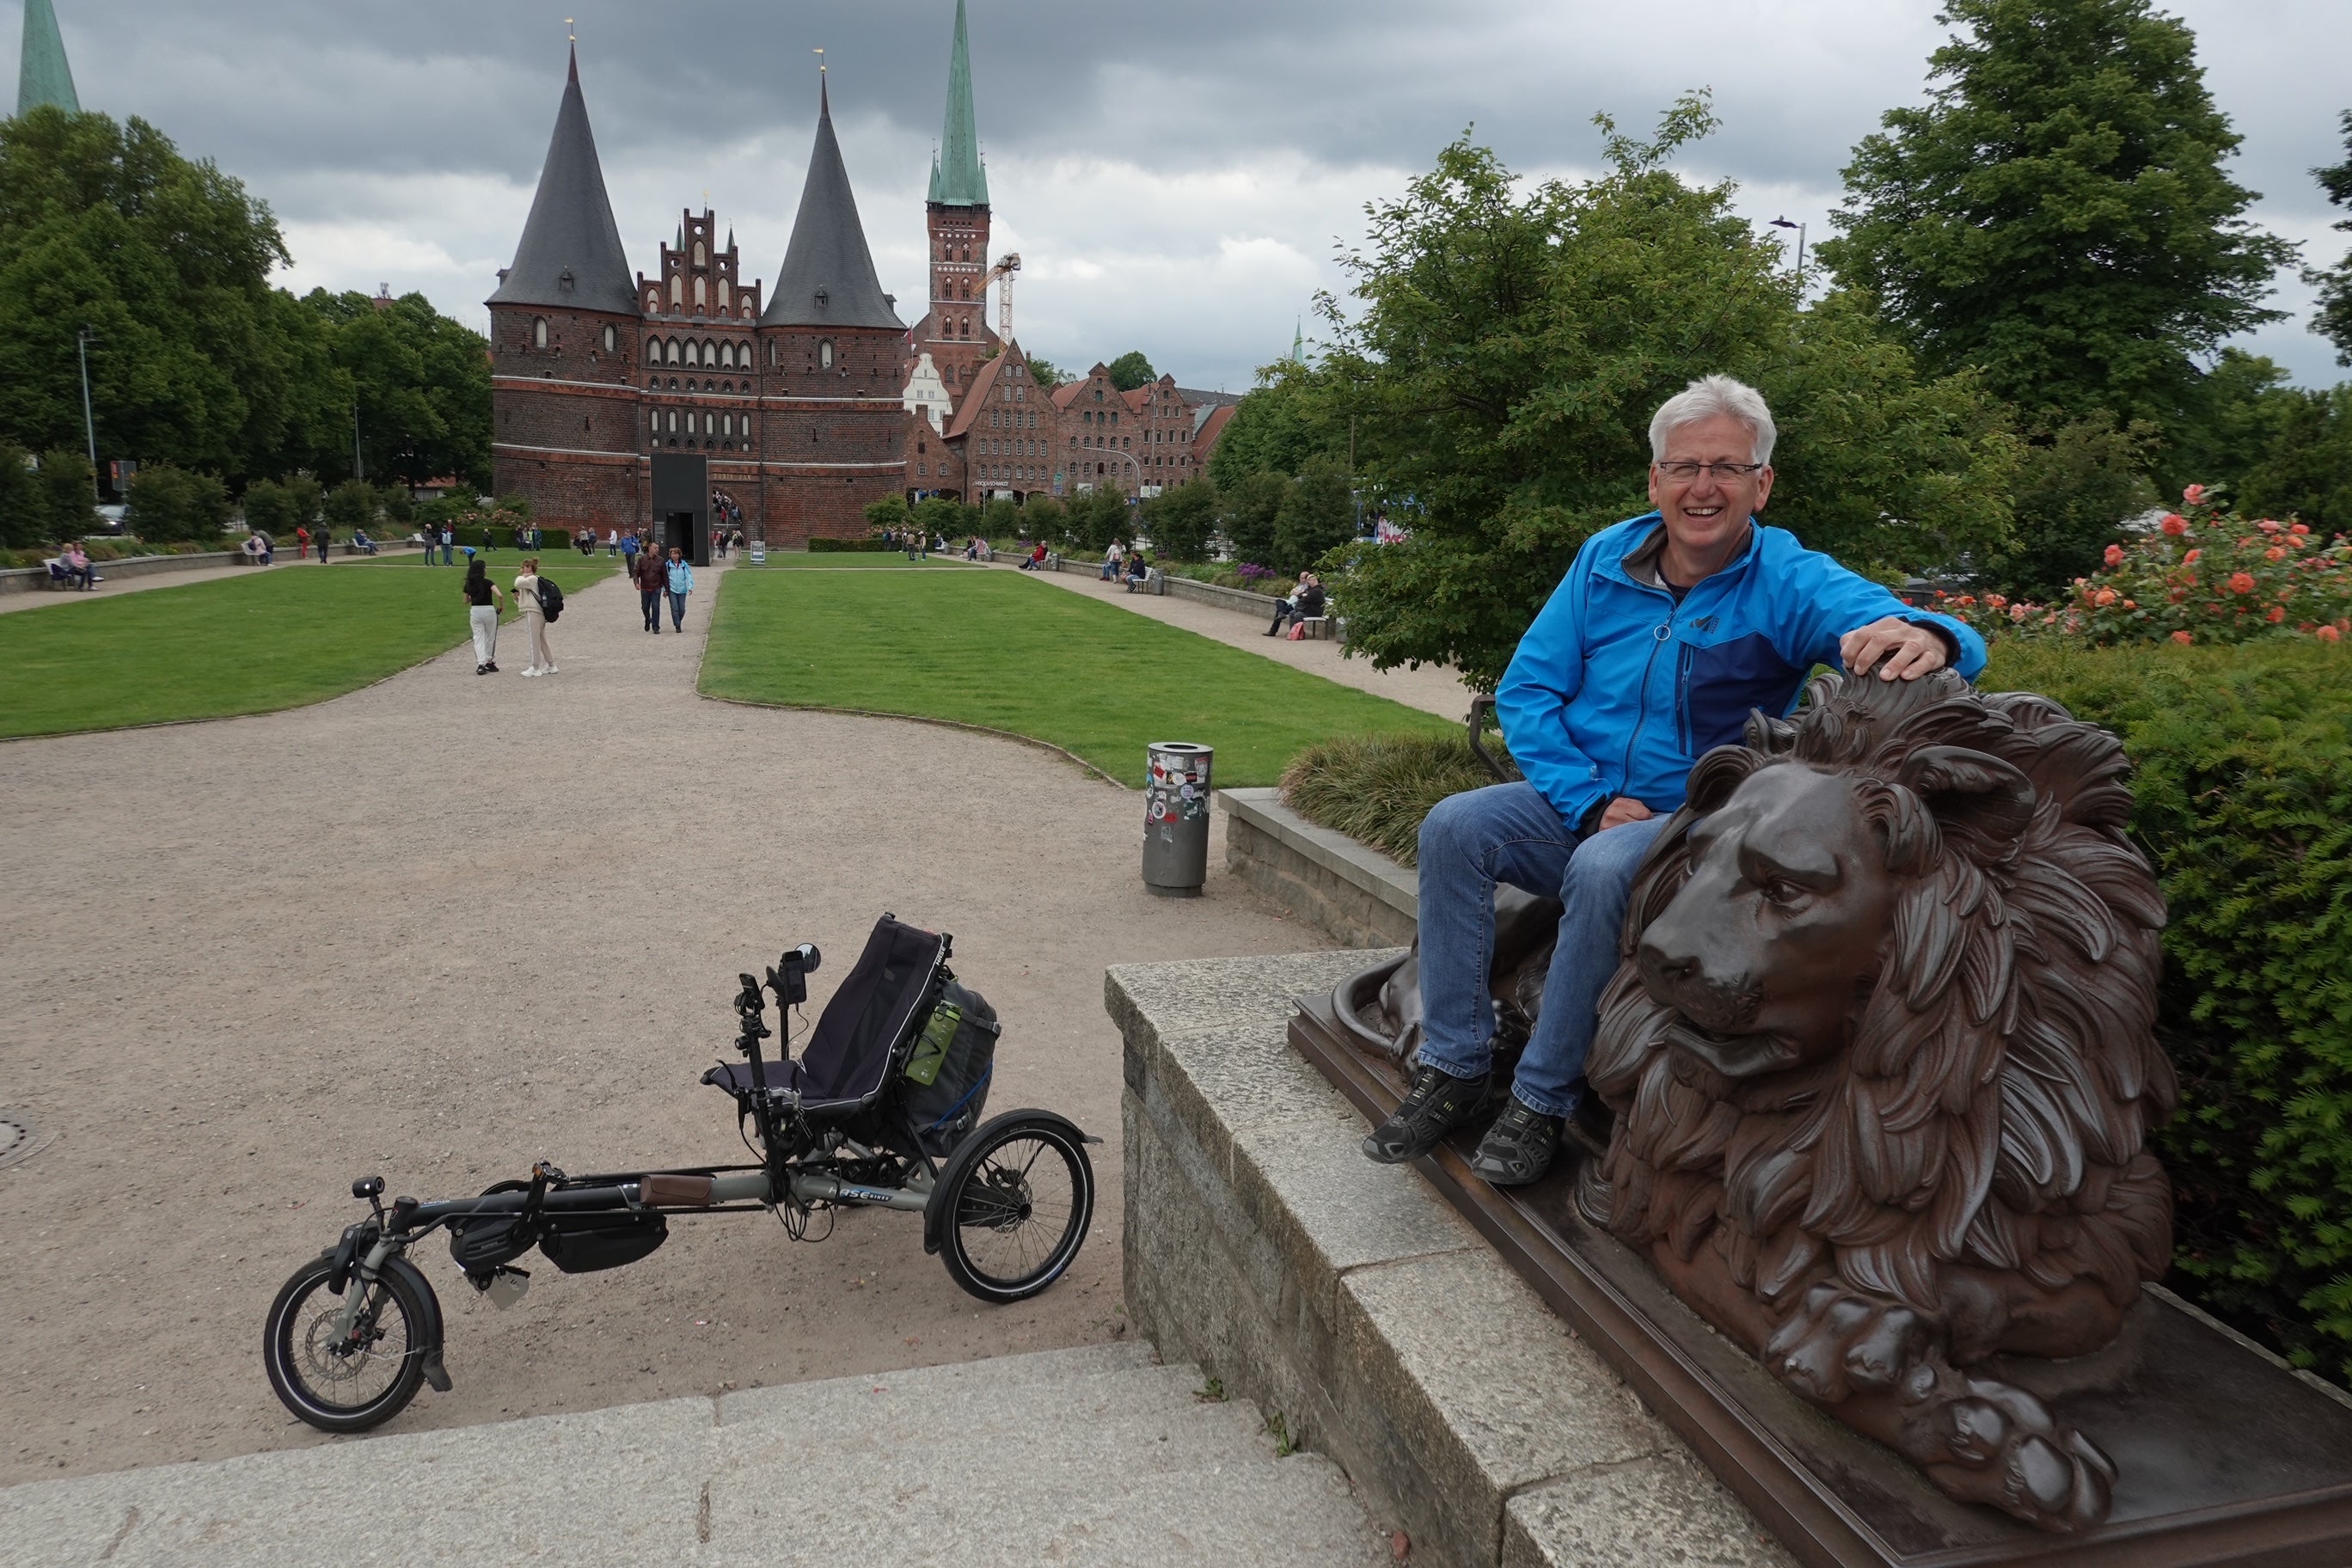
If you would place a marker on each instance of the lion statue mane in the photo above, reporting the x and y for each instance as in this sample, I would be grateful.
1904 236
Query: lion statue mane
1883 1065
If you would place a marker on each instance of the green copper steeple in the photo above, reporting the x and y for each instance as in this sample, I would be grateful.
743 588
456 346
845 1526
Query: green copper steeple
957 178
44 77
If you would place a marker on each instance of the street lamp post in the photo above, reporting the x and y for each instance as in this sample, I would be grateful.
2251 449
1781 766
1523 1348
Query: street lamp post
1784 222
82 339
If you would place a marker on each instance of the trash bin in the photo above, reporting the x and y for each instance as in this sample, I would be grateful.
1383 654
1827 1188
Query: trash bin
1176 819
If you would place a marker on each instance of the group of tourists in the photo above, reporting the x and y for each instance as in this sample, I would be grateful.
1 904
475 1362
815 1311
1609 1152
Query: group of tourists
656 579
920 542
537 600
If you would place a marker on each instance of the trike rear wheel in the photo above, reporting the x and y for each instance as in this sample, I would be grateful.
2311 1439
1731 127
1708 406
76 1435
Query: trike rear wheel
339 1385
1019 1195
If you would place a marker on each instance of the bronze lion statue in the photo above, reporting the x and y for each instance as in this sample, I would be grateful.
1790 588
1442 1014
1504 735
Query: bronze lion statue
1883 1064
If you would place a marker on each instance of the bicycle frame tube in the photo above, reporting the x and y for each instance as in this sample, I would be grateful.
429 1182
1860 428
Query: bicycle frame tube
355 1293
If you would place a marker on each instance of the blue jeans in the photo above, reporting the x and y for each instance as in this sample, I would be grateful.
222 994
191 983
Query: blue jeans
1509 833
677 612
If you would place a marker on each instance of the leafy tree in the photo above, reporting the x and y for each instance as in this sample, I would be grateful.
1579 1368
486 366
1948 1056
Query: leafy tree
890 512
2305 470
999 519
1043 518
1513 342
2244 399
349 505
518 505
2334 321
1097 518
1276 427
23 507
1317 514
197 361
951 517
422 386
2074 492
398 505
272 509
1249 513
2057 214
169 504
1047 374
64 486
1182 519
1132 370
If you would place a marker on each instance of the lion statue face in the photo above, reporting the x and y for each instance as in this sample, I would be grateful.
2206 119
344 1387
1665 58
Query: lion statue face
1784 915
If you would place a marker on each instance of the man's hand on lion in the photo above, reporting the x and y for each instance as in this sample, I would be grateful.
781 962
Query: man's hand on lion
1900 649
1623 810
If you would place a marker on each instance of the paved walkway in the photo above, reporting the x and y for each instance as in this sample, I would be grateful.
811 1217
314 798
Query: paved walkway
1433 689
115 587
1093 1458
235 981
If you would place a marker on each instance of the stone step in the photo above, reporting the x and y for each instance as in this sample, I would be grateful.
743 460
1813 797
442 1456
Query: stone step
1090 1457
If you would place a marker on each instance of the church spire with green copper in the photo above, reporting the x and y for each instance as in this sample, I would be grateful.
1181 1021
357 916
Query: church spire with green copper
44 77
957 178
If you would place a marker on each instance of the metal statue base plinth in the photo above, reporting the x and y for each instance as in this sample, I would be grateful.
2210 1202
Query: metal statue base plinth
2225 1457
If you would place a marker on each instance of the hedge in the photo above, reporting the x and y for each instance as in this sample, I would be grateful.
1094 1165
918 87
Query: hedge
820 545
2243 801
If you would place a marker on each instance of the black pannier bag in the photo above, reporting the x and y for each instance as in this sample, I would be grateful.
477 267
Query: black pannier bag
481 1242
947 1071
581 1243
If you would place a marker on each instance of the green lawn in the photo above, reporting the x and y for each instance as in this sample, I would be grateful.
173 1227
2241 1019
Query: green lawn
249 644
994 648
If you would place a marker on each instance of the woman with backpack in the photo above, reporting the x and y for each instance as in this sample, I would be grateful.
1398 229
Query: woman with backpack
533 609
482 600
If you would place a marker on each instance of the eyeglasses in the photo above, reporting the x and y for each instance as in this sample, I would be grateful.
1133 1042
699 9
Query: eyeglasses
1681 469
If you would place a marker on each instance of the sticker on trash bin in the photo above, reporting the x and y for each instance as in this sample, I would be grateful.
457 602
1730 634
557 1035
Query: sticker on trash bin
1178 790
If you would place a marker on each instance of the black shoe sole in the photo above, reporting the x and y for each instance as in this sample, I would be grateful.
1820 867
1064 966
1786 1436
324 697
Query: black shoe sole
1379 1155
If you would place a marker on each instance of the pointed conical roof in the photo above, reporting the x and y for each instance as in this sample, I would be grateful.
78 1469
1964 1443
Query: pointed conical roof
571 255
42 75
957 178
828 279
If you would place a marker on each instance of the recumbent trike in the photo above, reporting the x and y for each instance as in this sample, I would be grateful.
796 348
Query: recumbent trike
882 1108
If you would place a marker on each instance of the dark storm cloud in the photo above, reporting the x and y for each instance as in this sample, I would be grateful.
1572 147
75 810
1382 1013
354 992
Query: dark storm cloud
1132 147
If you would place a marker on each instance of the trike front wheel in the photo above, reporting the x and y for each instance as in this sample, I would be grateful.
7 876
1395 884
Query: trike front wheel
340 1383
1017 1197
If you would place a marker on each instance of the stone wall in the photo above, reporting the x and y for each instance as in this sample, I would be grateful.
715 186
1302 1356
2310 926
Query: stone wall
1349 1301
1354 893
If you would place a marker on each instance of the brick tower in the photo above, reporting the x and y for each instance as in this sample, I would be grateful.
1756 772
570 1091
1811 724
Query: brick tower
563 345
833 428
955 331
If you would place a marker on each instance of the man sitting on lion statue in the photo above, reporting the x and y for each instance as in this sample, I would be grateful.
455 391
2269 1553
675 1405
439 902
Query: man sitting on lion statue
1877 1039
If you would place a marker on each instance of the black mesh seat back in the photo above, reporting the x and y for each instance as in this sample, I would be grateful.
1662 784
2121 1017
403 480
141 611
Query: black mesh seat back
871 1013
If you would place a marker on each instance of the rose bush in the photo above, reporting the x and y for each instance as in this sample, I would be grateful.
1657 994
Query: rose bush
2202 574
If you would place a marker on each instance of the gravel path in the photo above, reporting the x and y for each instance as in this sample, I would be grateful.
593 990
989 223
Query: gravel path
218 1018
1433 688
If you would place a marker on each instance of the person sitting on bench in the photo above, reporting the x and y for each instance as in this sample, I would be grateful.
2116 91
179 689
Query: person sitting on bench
78 566
1139 570
1305 604
361 542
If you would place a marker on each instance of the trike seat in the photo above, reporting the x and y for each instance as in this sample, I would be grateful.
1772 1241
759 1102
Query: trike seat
880 1003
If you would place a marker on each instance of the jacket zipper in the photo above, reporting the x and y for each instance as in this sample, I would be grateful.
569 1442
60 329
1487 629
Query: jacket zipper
1682 697
1658 640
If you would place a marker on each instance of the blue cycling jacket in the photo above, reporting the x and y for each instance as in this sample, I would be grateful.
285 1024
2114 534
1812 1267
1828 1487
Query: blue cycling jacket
1617 691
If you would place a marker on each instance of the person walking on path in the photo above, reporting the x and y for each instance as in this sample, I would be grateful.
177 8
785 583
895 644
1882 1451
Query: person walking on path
322 539
645 572
680 580
448 539
1114 562
629 548
482 601
301 541
533 610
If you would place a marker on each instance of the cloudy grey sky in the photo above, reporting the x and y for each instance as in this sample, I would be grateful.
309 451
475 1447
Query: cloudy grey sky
1176 176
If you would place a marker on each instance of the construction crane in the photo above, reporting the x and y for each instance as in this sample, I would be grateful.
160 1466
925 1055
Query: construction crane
1007 265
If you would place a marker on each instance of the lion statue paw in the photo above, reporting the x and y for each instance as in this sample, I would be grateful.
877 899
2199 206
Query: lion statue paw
1977 1439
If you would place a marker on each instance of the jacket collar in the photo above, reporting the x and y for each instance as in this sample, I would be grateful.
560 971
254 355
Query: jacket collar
1639 564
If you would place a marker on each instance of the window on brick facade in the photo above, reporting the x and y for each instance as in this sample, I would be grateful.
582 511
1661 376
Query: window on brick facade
700 294
677 292
709 353
653 300
725 299
693 351
539 332
726 424
824 353
699 258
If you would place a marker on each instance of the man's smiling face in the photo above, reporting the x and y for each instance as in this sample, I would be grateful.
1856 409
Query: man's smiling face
1704 515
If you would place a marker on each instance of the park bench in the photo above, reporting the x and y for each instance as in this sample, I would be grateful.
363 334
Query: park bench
1314 627
59 577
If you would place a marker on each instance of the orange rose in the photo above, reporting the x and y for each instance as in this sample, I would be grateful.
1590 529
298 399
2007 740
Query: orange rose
2274 553
2114 554
2328 634
2103 597
2299 528
1995 602
2131 604
2194 495
2183 637
2241 582
2267 526
2190 559
2176 524
2278 614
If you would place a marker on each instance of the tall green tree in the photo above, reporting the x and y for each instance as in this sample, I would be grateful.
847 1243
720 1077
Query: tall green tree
1513 341
1047 374
2334 321
1132 370
169 504
1182 518
1278 424
2305 470
422 386
198 360
2057 215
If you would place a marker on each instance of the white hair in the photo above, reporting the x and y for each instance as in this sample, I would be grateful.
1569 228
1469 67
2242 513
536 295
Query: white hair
1704 399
